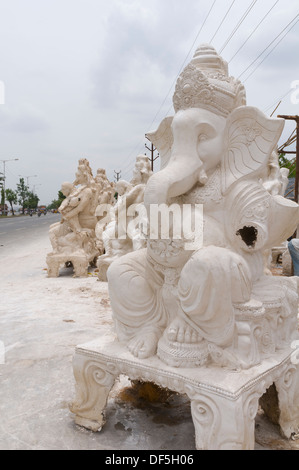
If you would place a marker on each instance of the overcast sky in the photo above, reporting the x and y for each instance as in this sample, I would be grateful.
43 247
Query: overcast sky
88 78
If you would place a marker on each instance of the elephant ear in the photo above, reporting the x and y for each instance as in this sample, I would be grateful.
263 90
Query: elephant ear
250 139
162 139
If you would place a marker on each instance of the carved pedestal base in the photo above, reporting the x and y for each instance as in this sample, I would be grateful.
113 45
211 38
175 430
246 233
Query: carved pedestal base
103 265
80 263
223 403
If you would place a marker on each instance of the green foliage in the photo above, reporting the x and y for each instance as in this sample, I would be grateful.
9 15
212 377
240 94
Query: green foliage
23 193
56 203
12 198
32 201
285 162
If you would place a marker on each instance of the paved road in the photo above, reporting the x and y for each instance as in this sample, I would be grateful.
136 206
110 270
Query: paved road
13 230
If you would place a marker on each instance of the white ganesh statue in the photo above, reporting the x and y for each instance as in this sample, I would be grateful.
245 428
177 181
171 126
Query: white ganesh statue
211 304
194 310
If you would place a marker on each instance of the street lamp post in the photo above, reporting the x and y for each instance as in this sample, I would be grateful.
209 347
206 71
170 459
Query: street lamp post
4 161
31 176
27 178
34 186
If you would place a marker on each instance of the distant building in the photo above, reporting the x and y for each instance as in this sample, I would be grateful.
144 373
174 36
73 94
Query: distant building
3 209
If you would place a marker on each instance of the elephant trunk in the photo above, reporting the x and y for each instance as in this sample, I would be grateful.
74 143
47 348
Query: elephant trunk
172 181
184 169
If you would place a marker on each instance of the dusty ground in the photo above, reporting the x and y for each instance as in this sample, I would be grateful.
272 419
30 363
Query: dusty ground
41 322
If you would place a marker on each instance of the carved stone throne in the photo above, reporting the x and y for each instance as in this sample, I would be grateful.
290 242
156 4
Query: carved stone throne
224 403
206 321
224 395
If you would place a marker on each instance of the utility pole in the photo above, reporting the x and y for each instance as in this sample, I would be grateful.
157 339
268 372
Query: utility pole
30 176
152 149
117 175
296 152
4 161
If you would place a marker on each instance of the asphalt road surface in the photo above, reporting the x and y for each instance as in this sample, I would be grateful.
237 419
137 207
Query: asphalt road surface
14 230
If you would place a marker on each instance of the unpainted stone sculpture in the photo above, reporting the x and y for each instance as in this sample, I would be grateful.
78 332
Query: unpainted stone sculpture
120 236
275 181
215 151
207 321
73 238
106 200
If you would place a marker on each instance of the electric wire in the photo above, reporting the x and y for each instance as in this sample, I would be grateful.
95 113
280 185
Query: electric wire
223 19
238 25
277 100
252 33
131 162
269 45
274 47
185 60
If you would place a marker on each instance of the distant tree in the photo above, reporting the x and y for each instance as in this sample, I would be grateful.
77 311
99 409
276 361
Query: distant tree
2 196
1 192
23 193
56 203
12 198
31 201
285 162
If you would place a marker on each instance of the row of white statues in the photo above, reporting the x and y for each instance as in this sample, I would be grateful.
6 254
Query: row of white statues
88 231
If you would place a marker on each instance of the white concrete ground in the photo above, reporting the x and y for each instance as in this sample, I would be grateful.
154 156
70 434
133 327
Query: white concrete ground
41 322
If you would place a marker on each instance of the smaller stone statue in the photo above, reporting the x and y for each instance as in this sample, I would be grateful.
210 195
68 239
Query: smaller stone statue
275 182
73 238
106 199
120 236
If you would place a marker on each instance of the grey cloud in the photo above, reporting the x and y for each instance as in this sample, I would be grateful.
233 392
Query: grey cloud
143 45
22 121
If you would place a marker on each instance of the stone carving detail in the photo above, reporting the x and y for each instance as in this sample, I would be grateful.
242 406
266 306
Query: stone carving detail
118 236
224 403
94 383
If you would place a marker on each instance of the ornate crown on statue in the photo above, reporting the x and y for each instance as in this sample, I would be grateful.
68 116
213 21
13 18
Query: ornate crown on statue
205 83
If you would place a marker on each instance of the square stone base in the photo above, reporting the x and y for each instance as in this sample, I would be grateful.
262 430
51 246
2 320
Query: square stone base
79 261
224 403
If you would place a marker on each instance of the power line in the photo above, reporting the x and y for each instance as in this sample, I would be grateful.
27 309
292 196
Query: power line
277 100
185 60
269 45
135 151
174 81
270 51
238 26
252 33
223 19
